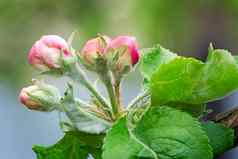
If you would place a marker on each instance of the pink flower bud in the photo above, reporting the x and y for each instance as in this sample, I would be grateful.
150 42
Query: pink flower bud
40 97
94 48
47 53
129 44
26 100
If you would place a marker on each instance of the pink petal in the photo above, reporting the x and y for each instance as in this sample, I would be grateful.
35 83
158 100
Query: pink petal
129 42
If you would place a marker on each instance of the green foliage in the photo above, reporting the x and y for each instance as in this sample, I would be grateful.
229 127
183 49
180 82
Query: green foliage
221 138
153 58
173 134
188 80
187 83
196 110
74 145
167 132
119 144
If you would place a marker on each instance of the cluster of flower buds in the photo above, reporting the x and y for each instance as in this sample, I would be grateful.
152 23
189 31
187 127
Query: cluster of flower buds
53 54
120 54
40 96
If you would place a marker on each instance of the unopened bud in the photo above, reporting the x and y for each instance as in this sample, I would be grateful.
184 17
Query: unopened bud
51 52
93 50
40 97
125 53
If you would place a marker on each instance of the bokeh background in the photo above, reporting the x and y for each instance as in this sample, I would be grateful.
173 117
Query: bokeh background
186 27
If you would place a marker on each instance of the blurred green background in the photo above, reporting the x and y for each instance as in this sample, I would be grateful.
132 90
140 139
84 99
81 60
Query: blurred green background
186 27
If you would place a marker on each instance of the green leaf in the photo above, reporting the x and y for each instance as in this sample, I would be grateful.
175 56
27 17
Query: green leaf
74 145
190 81
152 58
221 138
196 110
173 134
236 58
167 132
119 144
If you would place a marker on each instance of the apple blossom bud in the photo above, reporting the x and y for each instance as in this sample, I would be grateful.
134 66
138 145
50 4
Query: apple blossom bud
126 50
94 49
41 97
51 52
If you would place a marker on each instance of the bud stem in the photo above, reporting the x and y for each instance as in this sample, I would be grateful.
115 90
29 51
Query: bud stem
106 78
79 76
117 87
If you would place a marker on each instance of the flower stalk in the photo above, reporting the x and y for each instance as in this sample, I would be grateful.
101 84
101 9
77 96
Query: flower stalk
105 76
117 87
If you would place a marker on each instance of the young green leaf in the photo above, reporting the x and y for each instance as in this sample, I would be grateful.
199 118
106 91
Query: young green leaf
173 134
190 81
74 145
221 138
119 144
153 58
